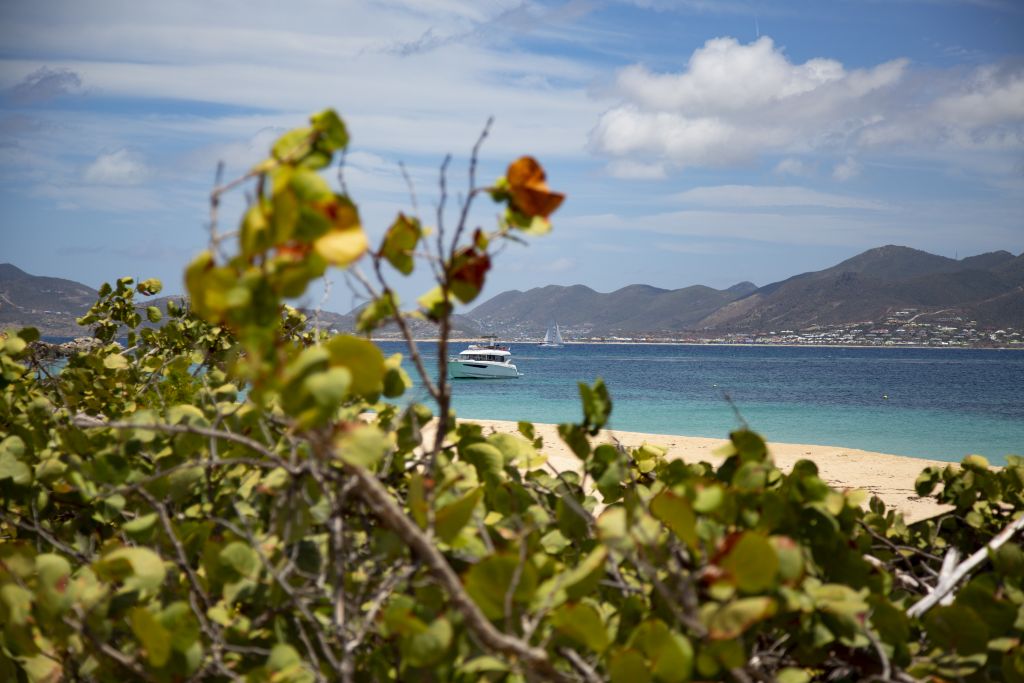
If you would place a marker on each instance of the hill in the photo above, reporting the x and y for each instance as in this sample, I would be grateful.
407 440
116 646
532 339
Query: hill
52 304
48 303
988 288
632 308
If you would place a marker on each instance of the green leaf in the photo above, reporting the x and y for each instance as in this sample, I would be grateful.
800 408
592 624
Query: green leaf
597 405
115 361
241 558
751 563
957 628
28 334
293 145
628 666
583 623
793 675
329 388
153 314
428 646
377 312
11 450
670 653
139 568
488 581
434 304
400 242
734 618
363 359
451 518
677 514
749 445
17 604
331 128
54 574
487 460
575 437
154 637
363 446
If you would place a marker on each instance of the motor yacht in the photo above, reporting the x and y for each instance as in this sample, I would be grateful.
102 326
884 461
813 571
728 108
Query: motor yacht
489 360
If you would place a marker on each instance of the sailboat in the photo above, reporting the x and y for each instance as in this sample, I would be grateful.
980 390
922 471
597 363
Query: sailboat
553 337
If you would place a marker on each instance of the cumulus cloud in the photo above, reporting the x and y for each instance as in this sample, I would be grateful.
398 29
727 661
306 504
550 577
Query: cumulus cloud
733 102
45 84
122 167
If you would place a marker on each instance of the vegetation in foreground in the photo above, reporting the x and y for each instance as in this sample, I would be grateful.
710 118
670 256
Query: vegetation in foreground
213 503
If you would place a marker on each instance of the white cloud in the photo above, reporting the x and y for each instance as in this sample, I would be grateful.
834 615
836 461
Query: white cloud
736 196
122 167
734 102
793 166
635 170
847 169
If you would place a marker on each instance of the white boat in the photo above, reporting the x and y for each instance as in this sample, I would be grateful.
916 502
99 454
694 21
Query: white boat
553 340
490 360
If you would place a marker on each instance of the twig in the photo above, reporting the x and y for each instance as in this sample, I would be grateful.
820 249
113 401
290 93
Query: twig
580 664
955 575
89 422
380 502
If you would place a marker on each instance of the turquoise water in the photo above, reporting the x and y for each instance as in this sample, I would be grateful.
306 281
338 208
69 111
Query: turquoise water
942 403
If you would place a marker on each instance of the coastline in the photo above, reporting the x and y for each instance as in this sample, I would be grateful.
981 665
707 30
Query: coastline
471 340
890 477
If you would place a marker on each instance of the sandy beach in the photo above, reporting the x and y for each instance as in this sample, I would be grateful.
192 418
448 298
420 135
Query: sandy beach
890 477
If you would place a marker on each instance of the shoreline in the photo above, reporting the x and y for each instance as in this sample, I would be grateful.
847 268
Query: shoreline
890 477
469 340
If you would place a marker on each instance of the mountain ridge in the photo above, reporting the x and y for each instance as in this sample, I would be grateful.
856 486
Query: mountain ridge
987 287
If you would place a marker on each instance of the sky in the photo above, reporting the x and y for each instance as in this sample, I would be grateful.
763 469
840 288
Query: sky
698 142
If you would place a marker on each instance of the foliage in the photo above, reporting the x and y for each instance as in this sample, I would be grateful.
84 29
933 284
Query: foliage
227 496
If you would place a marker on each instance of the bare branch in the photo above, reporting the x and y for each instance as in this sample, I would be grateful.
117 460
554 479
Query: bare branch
380 502
956 575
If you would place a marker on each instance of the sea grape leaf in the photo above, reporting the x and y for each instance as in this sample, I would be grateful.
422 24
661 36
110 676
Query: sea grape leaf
530 193
733 618
400 242
151 633
677 514
451 518
957 628
750 562
488 581
467 272
628 666
364 361
583 623
139 568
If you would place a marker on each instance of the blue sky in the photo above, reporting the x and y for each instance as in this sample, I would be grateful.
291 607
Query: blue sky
699 142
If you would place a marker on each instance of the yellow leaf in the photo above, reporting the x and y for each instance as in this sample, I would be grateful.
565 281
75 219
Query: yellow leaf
342 247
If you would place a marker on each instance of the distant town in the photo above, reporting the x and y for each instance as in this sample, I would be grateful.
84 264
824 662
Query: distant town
902 328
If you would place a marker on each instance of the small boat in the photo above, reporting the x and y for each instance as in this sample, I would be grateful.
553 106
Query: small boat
489 360
553 340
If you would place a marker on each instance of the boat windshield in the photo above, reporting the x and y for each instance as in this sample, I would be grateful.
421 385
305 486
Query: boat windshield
483 357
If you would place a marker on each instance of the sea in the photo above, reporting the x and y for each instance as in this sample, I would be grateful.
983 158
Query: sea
941 404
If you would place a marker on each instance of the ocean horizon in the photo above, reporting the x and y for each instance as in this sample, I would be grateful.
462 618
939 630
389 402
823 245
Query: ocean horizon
941 404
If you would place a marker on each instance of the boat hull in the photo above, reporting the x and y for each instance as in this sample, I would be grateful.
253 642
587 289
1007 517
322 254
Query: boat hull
458 369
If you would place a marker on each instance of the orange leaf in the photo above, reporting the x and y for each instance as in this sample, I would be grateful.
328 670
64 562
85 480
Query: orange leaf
529 189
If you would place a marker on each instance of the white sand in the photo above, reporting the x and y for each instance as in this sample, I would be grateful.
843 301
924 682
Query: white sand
890 477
